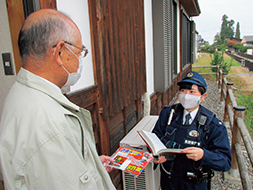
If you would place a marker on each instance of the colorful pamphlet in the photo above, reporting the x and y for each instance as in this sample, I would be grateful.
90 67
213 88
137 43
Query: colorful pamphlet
130 160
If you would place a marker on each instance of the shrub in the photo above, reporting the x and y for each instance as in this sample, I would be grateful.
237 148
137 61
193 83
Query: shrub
239 48
217 58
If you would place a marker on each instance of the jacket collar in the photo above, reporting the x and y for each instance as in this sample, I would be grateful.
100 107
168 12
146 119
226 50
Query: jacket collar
33 81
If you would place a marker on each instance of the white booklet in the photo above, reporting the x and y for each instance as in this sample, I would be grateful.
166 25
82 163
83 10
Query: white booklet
155 144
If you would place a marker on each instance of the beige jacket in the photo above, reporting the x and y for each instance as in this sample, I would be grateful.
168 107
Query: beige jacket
47 142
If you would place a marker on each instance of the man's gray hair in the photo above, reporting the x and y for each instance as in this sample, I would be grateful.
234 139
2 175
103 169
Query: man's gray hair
36 40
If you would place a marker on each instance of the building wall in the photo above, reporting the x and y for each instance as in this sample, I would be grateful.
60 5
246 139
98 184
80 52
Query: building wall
6 46
79 13
250 51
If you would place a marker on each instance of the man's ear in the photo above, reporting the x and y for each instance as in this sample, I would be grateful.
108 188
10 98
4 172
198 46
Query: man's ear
58 51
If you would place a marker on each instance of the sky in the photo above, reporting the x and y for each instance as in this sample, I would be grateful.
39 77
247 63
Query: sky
208 23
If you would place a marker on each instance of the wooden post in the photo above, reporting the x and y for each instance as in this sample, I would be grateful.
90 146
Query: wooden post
227 102
219 76
236 139
104 132
217 73
222 87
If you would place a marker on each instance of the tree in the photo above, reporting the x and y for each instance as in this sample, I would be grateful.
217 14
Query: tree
218 44
216 38
200 38
222 47
205 48
237 32
224 27
231 28
227 29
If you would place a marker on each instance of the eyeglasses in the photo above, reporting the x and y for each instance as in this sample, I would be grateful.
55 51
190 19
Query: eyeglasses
84 51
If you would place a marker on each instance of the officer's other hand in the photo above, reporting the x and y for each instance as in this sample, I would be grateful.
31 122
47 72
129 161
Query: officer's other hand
193 153
160 160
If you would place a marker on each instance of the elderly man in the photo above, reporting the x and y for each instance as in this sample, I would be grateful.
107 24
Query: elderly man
47 142
196 130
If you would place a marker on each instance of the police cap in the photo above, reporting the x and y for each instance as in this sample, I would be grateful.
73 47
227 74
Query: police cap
194 78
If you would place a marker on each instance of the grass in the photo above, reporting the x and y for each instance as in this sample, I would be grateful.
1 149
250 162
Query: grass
242 99
231 60
204 60
246 101
238 82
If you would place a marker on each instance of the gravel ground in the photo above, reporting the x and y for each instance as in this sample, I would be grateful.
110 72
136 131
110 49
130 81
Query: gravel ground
212 102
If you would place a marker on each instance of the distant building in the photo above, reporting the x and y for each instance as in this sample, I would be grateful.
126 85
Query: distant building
247 40
236 40
250 51
232 41
201 42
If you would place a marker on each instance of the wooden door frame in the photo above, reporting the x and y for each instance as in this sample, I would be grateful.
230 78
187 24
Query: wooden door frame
16 18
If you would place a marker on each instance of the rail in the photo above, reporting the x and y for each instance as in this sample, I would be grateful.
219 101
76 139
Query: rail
234 115
244 59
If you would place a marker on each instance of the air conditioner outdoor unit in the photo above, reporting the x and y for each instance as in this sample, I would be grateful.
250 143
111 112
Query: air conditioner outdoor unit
149 179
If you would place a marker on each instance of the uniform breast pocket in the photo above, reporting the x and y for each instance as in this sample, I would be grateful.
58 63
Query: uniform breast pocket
169 137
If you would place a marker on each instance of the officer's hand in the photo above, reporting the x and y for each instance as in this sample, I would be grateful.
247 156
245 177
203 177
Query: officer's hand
194 153
161 159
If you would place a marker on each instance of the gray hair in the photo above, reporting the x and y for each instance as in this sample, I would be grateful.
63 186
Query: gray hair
36 40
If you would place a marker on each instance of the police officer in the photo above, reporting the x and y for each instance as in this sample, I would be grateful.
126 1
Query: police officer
193 128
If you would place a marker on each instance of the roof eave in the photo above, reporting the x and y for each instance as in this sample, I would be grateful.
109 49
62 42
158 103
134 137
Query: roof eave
191 7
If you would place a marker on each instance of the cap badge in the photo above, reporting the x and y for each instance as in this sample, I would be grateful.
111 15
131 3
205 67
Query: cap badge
189 74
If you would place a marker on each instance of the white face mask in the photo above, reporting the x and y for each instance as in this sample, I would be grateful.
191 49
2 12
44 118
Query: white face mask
74 77
189 101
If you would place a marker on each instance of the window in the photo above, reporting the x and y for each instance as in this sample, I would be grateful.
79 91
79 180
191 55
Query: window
184 40
187 41
165 43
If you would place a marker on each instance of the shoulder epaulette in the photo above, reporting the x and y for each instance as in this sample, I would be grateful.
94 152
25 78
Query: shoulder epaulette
217 122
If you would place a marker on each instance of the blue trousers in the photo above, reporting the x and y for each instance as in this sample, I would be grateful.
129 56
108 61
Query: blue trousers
177 182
